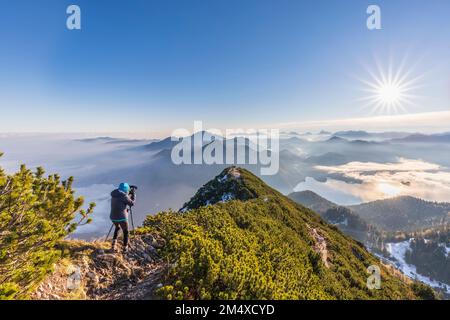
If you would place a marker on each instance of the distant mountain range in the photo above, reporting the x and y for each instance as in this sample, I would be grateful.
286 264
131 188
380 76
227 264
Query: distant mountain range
395 137
110 140
423 138
167 184
364 135
340 136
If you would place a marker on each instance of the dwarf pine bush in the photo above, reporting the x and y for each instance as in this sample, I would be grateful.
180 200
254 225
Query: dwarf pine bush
260 247
36 212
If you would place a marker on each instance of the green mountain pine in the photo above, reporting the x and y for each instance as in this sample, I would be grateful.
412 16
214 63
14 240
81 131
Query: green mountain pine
237 238
36 213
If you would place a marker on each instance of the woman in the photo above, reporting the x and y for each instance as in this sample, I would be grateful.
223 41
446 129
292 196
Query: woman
120 201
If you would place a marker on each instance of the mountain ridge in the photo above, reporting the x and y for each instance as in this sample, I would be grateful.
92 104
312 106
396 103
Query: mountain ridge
257 244
403 213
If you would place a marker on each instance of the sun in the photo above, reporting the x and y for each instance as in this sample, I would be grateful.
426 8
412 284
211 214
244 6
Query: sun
388 189
390 93
390 89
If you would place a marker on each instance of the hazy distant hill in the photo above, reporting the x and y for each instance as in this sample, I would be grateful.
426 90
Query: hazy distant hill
353 134
312 201
403 213
424 138
96 139
363 135
353 142
166 143
110 140
328 159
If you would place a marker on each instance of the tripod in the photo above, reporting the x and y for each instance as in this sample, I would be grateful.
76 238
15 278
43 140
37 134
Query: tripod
132 225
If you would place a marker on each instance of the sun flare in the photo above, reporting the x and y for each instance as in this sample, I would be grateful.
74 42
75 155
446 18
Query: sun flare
390 92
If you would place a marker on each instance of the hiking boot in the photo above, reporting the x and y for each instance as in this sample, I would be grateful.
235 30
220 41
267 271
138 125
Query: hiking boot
113 246
125 250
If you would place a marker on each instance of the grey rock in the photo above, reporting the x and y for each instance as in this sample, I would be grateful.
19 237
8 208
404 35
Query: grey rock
147 257
150 249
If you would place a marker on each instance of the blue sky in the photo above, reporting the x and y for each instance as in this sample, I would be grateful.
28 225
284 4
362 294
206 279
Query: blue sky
153 66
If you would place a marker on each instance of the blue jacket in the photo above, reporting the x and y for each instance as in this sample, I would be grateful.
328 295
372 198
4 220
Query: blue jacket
119 206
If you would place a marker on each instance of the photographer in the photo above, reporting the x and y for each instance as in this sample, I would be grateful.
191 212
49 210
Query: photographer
121 199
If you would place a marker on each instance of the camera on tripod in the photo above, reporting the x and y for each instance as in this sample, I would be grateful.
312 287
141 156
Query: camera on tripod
133 192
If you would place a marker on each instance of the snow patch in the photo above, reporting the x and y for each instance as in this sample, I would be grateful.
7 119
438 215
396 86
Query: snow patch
398 251
222 179
227 197
447 249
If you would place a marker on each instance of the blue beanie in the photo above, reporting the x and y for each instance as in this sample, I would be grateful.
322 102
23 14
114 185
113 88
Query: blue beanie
124 187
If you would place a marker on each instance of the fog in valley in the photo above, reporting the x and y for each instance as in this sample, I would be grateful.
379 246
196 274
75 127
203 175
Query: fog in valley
345 167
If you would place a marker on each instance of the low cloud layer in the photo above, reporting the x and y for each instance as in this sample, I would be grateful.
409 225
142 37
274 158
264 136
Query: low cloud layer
415 178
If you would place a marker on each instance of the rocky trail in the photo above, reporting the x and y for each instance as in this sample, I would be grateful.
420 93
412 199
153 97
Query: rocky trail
92 271
320 245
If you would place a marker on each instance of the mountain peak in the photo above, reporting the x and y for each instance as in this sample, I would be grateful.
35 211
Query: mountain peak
233 183
312 201
336 139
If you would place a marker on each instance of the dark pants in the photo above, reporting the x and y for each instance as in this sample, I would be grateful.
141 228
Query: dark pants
124 226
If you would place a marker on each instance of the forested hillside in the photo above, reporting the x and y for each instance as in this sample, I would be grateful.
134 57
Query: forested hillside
404 213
